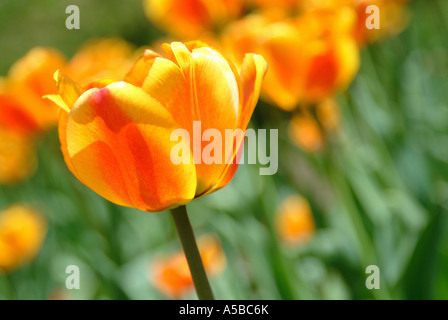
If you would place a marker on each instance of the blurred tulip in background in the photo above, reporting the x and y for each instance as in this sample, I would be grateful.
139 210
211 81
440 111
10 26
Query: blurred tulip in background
171 276
294 221
22 232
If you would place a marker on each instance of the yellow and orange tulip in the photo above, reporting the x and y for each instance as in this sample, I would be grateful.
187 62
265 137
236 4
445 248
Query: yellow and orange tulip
171 274
22 232
115 137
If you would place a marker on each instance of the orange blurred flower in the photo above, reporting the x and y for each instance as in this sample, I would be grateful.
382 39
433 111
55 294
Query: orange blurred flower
305 132
14 116
189 19
171 274
17 157
308 131
328 114
294 220
289 5
108 58
116 137
22 108
310 58
59 293
319 4
22 232
394 16
23 112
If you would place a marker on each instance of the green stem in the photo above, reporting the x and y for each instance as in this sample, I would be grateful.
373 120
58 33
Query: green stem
191 251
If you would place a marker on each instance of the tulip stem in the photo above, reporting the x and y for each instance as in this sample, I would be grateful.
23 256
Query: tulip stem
191 251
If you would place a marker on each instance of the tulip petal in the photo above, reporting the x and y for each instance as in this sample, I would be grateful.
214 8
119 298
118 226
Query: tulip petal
57 99
191 45
217 103
252 73
140 69
166 83
118 140
68 89
179 54
197 86
62 130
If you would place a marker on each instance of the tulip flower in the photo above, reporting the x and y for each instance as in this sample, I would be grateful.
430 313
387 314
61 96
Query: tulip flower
171 276
289 5
15 117
191 18
294 220
17 157
22 231
22 108
305 132
108 58
59 293
393 16
116 137
308 130
328 114
311 57
23 113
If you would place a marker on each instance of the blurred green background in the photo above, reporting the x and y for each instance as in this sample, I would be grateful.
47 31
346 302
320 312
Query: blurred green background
378 193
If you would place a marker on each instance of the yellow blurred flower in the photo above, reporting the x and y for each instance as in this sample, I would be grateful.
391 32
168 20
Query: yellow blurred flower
22 231
294 220
171 274
310 58
17 157
189 19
